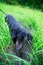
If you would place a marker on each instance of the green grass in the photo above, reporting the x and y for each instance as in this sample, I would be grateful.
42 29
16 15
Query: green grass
33 21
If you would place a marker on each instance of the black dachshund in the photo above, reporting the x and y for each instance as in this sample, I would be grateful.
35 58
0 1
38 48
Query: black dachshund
18 33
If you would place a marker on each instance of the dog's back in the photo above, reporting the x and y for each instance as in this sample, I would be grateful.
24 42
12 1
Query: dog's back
12 21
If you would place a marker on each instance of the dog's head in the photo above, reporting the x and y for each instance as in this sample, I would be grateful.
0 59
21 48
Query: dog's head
21 39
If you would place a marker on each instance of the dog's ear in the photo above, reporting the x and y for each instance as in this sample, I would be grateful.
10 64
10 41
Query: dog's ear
29 37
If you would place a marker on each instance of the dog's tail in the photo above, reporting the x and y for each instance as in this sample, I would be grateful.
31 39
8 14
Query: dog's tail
3 12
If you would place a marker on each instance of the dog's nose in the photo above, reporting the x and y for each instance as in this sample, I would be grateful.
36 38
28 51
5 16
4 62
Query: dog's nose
17 48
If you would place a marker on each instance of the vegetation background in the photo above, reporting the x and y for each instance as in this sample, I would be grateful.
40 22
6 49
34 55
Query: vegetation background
31 3
30 13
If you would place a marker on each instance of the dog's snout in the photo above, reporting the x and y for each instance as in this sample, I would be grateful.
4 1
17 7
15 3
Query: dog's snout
18 45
